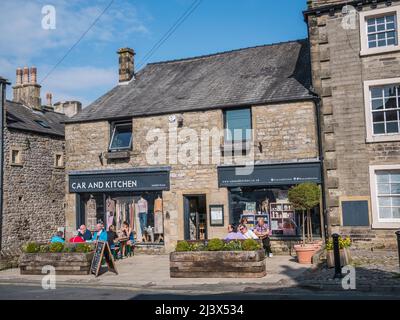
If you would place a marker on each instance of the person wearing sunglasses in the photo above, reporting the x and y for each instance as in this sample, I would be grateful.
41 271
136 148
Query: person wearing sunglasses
247 233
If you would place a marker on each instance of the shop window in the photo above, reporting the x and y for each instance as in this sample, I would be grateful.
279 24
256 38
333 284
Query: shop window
271 204
121 136
379 30
238 125
382 110
16 157
142 211
59 160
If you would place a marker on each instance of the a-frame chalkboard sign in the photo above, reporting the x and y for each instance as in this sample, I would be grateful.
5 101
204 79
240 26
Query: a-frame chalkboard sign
102 250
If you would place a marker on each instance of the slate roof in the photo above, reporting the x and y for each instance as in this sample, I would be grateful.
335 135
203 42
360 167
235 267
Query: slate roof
20 117
263 74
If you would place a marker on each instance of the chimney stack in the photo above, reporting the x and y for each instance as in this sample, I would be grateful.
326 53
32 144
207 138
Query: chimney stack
126 64
69 108
26 89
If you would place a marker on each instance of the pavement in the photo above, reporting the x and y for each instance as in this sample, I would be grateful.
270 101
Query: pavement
152 272
143 277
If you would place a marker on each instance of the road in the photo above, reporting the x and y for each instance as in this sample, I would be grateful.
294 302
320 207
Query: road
28 292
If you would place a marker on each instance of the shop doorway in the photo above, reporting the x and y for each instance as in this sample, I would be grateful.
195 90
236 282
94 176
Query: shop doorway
195 217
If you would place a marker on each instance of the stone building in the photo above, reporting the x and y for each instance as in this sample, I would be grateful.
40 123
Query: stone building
355 57
142 152
34 176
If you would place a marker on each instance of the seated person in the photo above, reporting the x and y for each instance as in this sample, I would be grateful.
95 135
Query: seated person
247 233
85 233
127 233
112 237
233 234
76 238
100 233
262 231
58 237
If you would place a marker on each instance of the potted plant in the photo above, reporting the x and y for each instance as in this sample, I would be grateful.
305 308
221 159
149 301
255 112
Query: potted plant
305 197
345 257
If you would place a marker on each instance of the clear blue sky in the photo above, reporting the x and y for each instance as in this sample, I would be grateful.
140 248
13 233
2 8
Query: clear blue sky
91 68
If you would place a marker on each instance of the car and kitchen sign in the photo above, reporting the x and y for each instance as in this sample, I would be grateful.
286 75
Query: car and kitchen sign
118 182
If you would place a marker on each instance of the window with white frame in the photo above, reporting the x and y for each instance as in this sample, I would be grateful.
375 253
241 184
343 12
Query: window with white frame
382 31
388 194
379 30
385 108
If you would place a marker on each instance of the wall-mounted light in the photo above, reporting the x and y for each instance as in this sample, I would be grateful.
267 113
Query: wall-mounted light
180 121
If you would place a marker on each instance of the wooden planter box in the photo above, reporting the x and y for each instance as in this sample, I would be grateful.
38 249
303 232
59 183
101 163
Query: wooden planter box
345 258
218 264
64 263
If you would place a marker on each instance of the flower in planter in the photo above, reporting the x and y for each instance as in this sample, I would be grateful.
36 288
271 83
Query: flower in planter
31 247
215 245
250 245
343 243
56 247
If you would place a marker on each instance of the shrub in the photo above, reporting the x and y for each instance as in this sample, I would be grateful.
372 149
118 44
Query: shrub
250 245
198 247
68 249
215 245
56 247
233 245
183 246
31 247
83 248
44 248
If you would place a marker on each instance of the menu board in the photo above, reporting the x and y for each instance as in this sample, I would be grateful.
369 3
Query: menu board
102 251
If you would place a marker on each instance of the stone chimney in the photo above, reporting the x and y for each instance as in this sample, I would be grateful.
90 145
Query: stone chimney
69 108
26 89
126 64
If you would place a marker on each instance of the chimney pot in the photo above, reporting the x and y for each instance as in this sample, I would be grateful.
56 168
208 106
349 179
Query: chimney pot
49 99
126 64
25 79
33 75
18 81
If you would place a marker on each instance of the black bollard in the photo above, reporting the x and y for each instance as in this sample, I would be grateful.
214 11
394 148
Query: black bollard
336 254
398 244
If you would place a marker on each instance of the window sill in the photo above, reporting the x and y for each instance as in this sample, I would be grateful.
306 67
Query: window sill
114 155
386 225
56 167
386 138
17 164
231 147
377 51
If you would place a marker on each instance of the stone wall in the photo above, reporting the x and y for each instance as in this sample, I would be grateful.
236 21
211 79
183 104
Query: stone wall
338 76
286 132
34 194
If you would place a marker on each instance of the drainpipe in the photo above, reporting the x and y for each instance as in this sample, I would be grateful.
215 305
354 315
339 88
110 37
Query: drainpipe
317 103
3 84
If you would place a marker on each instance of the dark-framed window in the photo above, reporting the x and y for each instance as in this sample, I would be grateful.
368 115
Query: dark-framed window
121 136
237 125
